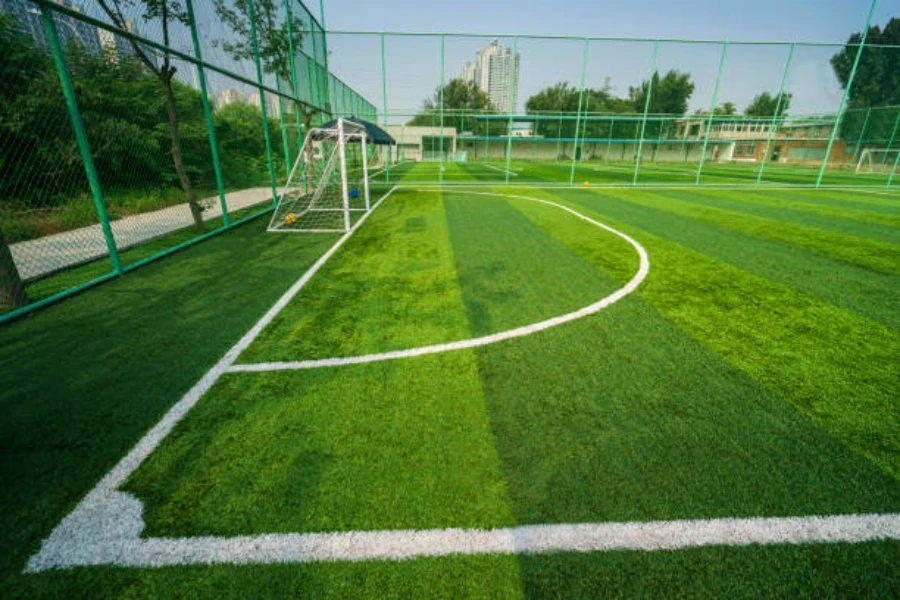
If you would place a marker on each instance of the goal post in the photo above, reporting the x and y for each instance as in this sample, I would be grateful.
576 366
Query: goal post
328 184
877 160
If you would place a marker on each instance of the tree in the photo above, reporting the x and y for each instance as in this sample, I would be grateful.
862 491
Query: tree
765 104
670 94
12 290
461 101
167 12
275 37
876 84
597 109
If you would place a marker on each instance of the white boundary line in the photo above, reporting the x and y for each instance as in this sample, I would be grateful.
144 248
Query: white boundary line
105 502
487 166
529 539
643 269
105 527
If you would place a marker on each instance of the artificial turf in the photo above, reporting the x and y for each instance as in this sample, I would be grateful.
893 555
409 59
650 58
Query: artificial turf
752 373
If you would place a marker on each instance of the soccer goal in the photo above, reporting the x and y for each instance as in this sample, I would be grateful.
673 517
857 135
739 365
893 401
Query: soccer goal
328 185
877 160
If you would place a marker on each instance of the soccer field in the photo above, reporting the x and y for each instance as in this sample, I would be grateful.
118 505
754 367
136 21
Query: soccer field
619 173
481 392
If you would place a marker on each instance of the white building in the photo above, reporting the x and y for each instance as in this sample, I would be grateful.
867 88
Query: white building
228 97
496 71
423 143
273 106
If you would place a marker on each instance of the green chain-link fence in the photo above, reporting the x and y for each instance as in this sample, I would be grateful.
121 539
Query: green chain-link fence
130 128
91 184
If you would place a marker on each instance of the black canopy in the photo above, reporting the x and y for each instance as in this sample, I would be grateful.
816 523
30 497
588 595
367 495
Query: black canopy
374 133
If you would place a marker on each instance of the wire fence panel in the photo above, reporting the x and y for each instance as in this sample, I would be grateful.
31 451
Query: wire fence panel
133 128
130 128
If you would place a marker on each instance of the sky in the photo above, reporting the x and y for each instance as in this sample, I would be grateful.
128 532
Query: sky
413 64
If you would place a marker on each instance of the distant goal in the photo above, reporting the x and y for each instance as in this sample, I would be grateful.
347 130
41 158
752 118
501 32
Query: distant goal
329 182
877 160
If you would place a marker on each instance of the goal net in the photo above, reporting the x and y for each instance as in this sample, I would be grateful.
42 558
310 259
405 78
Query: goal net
328 186
877 160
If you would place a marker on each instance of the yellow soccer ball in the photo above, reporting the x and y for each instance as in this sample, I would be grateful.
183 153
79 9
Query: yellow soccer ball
290 218
587 183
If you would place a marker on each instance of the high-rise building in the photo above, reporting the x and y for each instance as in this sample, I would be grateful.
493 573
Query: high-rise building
69 29
229 96
273 106
495 70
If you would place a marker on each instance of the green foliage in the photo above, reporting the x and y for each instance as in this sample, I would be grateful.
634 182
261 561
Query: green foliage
125 118
274 37
877 81
876 85
669 96
462 101
767 105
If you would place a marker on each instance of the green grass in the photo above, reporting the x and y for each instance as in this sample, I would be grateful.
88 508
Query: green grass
753 373
72 277
618 173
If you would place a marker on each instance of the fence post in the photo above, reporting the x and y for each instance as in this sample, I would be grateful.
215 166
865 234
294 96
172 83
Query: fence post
640 150
893 135
712 113
441 108
387 163
846 96
578 117
512 105
84 147
289 17
262 98
207 112
862 131
775 124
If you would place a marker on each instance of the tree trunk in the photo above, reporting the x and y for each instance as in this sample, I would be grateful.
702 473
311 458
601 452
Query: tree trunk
12 290
196 209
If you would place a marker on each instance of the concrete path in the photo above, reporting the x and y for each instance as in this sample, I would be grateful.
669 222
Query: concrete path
41 256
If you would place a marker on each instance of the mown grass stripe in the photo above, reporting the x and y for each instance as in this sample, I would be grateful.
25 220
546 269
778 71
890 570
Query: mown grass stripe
394 288
868 293
878 256
836 367
773 206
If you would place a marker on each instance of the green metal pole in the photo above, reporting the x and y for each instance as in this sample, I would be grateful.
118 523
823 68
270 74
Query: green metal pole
81 138
284 137
262 97
387 163
512 106
612 126
775 123
893 171
862 131
324 47
578 117
207 111
712 112
441 108
295 88
558 136
640 150
893 135
846 96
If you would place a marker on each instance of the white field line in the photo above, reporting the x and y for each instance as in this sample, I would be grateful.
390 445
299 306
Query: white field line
487 166
105 528
643 269
882 192
429 185
529 539
104 499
